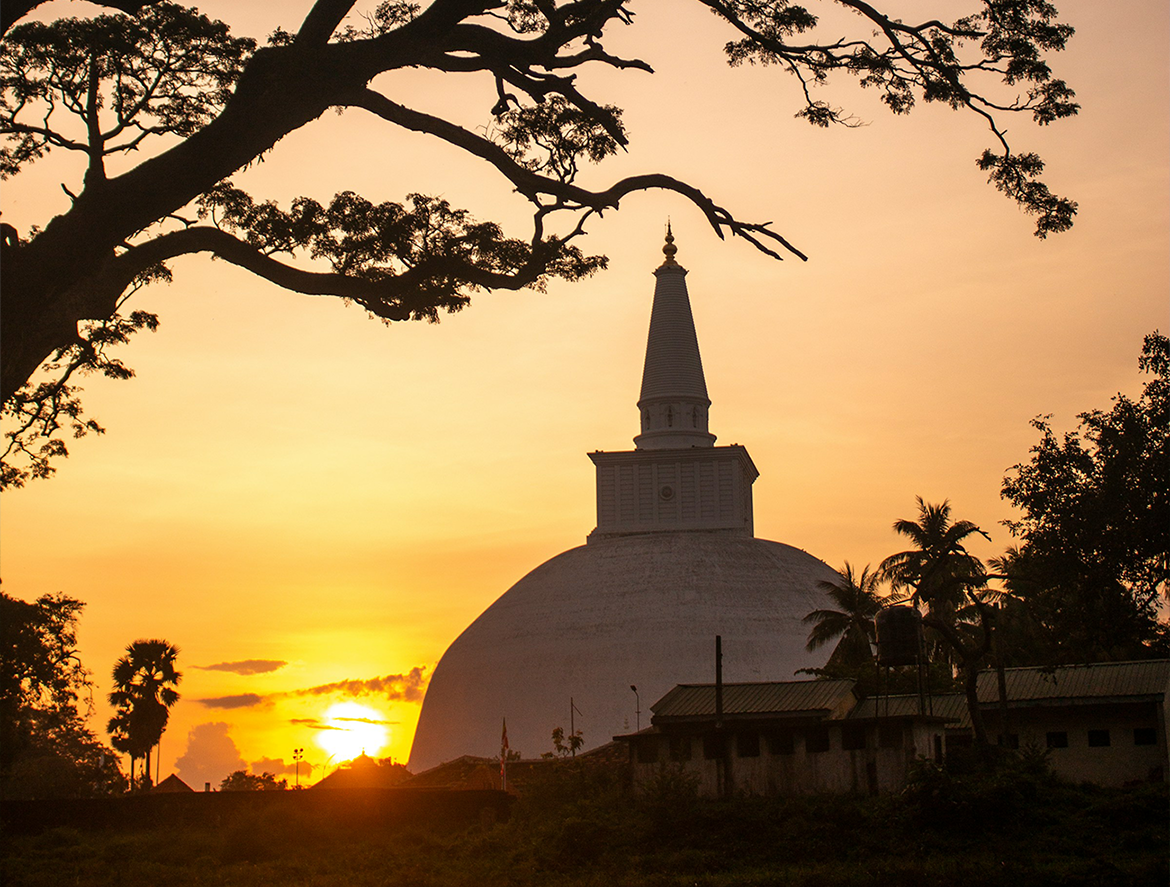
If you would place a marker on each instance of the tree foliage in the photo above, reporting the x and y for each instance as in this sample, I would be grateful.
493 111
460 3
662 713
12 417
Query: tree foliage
1094 529
144 691
243 781
167 84
851 624
45 696
951 584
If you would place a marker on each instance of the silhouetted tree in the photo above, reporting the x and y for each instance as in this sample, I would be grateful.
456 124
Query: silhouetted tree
565 746
1094 553
851 623
144 690
938 569
46 750
210 104
951 584
243 781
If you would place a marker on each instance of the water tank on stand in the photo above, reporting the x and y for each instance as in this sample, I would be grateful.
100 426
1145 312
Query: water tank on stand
899 632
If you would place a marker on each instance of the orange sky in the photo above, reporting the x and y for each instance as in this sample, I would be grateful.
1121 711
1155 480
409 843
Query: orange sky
286 480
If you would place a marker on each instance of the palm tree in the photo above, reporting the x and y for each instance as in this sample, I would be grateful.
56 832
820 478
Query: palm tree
943 576
938 569
144 682
857 603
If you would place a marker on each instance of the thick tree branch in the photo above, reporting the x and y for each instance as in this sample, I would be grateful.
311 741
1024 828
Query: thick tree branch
391 296
532 185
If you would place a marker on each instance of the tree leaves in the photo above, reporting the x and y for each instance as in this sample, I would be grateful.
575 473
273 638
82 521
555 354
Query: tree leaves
167 70
113 83
1095 522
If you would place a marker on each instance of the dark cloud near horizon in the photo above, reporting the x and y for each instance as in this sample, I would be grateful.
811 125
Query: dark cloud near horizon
313 724
367 721
246 666
244 700
395 687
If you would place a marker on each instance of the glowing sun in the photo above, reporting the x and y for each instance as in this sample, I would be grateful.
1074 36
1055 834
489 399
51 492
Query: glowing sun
350 730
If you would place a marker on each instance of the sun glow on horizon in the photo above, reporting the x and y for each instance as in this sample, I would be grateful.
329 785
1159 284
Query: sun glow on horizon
351 729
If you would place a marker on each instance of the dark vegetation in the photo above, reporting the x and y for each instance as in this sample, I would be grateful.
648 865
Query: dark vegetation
46 749
1083 584
1014 826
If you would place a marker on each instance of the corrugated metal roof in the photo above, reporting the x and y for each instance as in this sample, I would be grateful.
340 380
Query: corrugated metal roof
1072 685
1104 680
787 697
952 706
1066 685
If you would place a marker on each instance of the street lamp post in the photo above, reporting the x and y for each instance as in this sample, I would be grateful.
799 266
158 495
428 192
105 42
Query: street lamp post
298 756
637 706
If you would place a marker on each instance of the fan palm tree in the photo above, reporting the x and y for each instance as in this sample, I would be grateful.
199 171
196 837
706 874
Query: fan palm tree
851 623
144 690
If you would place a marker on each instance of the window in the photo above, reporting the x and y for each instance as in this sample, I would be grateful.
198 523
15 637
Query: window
680 748
1145 736
781 742
889 735
1056 739
852 738
747 745
712 746
816 739
1098 738
648 751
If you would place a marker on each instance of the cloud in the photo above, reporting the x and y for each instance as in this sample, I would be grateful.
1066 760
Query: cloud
244 700
210 756
395 687
367 721
313 724
246 666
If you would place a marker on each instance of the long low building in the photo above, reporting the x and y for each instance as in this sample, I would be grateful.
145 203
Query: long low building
1103 723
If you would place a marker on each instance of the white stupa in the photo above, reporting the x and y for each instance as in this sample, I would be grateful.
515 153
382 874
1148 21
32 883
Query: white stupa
672 563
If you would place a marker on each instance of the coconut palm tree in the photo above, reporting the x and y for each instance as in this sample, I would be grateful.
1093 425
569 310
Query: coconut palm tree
938 570
851 623
951 584
144 690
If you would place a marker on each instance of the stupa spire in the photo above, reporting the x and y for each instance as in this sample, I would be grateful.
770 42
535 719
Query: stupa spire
673 401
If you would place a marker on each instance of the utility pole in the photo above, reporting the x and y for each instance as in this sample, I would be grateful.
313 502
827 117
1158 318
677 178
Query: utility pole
298 756
572 728
637 706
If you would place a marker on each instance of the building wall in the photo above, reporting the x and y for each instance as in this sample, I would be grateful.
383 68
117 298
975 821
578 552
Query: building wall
654 490
840 758
1073 736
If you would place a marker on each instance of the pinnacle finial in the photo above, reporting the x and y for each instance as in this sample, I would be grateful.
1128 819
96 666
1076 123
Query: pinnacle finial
670 249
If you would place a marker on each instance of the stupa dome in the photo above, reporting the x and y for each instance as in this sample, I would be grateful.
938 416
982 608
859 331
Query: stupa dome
638 610
672 563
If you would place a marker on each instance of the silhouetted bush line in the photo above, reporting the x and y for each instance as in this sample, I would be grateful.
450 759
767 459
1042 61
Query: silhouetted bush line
358 807
1007 828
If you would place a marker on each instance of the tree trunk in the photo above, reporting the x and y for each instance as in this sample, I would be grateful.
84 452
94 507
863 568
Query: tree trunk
971 686
65 273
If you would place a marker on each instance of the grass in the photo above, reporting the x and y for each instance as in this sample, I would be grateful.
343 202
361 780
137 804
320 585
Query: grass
579 831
